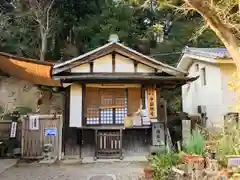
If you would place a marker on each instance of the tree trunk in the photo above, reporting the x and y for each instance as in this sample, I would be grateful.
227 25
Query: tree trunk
43 48
221 29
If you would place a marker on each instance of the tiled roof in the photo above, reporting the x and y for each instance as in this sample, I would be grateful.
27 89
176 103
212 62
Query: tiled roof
207 52
115 46
31 70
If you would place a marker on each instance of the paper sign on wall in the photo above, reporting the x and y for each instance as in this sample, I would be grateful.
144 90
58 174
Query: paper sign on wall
34 122
13 130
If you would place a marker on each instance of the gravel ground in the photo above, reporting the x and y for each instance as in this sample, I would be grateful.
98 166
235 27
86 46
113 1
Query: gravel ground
122 171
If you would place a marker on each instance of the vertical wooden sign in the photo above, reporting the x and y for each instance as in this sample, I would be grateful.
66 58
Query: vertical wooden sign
152 103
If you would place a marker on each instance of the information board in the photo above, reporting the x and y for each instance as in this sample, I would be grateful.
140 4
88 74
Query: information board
50 131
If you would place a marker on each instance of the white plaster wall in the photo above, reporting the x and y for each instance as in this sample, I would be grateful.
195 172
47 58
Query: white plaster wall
123 64
141 68
84 68
229 99
103 64
75 105
209 95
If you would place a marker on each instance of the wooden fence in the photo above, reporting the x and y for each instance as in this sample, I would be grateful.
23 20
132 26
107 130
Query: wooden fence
34 139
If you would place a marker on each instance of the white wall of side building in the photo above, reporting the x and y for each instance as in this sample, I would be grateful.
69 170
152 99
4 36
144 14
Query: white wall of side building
209 95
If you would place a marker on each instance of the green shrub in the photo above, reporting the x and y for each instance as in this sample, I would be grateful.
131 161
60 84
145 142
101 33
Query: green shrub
162 165
195 143
228 143
23 110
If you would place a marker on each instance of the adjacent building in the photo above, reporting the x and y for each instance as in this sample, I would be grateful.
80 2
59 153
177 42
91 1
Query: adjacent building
209 95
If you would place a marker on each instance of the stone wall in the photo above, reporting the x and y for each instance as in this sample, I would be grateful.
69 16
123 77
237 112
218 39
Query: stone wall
16 93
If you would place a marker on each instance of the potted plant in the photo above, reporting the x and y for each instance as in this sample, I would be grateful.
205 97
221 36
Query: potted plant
148 172
161 166
194 149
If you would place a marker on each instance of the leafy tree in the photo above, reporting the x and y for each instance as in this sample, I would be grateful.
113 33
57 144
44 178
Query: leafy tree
221 16
84 25
78 27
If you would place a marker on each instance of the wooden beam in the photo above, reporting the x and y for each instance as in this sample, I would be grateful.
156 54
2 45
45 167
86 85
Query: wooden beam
87 59
126 76
91 67
135 59
158 92
143 96
83 104
122 81
66 117
135 66
142 60
113 61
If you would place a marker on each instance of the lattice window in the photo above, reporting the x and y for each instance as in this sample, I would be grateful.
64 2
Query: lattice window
120 114
106 116
111 109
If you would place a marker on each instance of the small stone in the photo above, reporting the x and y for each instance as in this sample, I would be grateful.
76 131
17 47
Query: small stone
103 177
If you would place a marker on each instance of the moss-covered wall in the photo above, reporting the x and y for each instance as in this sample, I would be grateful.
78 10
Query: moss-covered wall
15 93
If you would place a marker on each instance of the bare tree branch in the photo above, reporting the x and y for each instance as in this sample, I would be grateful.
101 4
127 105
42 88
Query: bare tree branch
41 11
48 11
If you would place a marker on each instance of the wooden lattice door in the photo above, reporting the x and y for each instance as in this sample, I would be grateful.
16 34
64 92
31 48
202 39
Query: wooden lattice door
108 144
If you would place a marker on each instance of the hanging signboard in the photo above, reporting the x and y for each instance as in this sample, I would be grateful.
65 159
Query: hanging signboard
152 103
50 131
13 130
34 122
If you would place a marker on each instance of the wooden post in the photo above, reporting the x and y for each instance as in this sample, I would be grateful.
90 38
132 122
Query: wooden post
96 145
65 122
22 139
158 103
121 141
143 96
60 127
83 104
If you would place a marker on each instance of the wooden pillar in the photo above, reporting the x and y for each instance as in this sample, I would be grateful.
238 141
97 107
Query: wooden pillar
143 96
80 131
158 92
65 117
121 142
162 113
83 104
96 145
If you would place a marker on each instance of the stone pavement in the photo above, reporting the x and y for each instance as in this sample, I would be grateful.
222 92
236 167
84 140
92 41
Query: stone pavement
6 164
116 170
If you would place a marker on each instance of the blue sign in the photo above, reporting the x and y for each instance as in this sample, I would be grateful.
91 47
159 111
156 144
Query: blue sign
50 131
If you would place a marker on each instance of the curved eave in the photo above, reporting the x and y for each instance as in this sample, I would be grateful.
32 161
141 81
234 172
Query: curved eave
123 78
34 71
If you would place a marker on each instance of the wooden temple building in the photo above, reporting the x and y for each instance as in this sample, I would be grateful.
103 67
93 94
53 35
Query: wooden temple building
104 89
106 86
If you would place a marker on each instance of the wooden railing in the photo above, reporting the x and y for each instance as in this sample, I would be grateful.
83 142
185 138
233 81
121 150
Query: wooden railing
109 144
34 140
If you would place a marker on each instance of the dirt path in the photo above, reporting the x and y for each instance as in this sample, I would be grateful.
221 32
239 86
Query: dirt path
120 171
